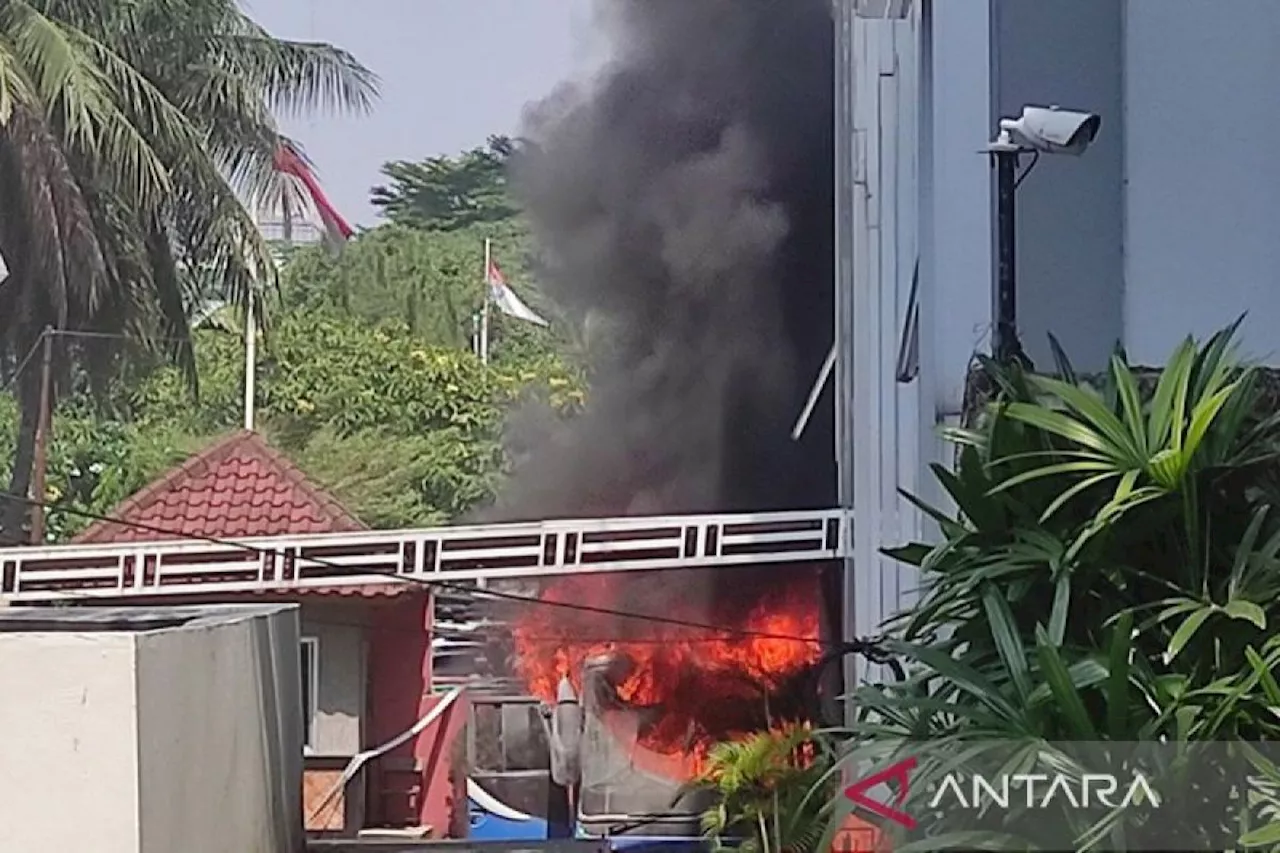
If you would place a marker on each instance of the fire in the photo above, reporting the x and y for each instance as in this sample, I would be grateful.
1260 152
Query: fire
698 686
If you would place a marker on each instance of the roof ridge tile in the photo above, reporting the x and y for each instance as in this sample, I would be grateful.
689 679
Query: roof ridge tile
238 486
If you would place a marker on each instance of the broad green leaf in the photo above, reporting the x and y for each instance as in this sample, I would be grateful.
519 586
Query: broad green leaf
1090 407
1178 606
1084 674
1064 692
971 498
1202 418
1004 630
1068 494
1062 363
1061 425
1060 468
1244 550
1187 630
1061 606
1246 610
1160 422
965 677
1131 404
1118 673
1265 676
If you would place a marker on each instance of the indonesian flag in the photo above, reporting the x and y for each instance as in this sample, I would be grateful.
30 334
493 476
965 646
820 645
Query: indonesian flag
335 229
505 298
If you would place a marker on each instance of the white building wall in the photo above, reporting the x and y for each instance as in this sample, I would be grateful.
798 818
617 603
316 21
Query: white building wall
181 733
204 780
69 765
885 421
1202 207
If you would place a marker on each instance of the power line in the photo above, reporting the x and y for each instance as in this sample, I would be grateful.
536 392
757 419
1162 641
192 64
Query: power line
457 587
84 335
119 336
26 360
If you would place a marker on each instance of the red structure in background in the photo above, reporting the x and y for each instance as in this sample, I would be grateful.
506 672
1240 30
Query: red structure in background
411 784
241 487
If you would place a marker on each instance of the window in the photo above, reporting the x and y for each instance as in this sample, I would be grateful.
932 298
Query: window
506 735
310 659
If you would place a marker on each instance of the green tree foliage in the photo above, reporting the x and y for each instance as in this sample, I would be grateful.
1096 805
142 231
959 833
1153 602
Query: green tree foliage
449 193
126 128
404 433
433 283
1111 574
94 462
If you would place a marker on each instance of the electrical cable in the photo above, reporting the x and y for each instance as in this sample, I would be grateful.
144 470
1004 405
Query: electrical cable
26 360
117 336
1031 165
457 587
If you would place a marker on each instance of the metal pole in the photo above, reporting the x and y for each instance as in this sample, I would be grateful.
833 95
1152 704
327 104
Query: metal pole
1007 347
40 461
250 361
484 310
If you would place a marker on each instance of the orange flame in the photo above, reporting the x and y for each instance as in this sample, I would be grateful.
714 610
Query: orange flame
702 685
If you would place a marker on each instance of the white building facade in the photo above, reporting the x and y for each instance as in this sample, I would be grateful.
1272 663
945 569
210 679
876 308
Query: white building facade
1166 226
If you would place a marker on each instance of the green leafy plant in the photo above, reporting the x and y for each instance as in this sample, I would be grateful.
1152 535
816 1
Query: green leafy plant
770 790
1110 572
129 132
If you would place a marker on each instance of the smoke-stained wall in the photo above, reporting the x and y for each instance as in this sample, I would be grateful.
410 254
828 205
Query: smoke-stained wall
683 202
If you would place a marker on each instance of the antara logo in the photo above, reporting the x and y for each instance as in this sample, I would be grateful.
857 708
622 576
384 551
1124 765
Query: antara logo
1027 790
900 773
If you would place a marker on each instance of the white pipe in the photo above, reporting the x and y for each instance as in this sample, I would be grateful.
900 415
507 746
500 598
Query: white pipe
492 804
250 361
484 311
815 394
360 759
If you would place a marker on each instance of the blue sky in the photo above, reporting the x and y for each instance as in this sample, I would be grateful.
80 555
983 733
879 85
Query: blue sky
453 72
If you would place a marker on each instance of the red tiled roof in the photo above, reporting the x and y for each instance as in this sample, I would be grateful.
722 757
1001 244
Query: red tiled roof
236 488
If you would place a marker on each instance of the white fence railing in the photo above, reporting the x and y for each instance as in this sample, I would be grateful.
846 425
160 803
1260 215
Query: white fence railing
471 553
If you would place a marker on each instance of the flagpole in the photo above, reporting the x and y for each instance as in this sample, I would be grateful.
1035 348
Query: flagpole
484 310
250 360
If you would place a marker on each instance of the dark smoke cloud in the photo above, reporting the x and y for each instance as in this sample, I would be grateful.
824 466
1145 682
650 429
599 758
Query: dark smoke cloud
684 204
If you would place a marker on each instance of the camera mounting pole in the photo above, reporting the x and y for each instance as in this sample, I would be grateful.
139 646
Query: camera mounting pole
1005 154
1050 130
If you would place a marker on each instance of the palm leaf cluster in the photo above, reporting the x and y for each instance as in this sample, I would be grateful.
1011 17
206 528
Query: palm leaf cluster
1111 574
130 133
771 792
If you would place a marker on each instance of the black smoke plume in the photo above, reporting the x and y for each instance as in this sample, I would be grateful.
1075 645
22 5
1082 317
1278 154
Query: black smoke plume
684 204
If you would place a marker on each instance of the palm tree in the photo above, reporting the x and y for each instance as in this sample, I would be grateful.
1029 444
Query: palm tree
129 132
771 790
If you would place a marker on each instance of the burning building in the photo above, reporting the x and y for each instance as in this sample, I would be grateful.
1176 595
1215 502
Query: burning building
683 205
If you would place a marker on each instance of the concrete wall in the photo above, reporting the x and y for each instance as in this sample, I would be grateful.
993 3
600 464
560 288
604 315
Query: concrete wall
1202 172
148 737
69 766
882 417
343 652
205 771
1070 210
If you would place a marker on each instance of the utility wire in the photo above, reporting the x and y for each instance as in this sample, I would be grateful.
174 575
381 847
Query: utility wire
449 585
26 360
70 333
867 647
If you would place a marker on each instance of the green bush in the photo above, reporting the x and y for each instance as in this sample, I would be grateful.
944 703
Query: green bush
1111 573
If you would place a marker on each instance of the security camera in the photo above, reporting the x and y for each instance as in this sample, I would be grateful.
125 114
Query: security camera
1052 130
